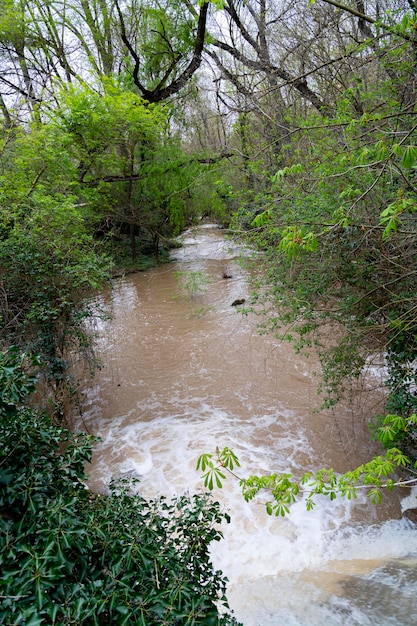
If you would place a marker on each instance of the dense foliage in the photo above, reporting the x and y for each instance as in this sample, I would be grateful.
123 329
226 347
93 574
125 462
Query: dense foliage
48 269
334 212
97 183
69 556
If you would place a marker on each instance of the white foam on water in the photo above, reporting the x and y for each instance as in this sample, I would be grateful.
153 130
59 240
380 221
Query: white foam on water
312 574
171 444
301 570
410 501
200 245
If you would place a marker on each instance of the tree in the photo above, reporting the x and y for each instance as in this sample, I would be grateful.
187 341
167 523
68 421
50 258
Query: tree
337 224
252 55
165 47
155 49
132 174
113 135
281 61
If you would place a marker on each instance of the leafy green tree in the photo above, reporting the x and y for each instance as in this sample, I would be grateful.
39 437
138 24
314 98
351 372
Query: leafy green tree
336 222
113 136
132 175
155 48
69 556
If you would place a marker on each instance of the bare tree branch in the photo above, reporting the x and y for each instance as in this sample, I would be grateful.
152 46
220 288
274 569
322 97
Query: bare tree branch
161 92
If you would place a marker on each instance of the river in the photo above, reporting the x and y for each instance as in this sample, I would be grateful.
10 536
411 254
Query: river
186 372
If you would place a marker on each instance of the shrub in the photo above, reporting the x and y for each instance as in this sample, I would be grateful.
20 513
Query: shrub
69 556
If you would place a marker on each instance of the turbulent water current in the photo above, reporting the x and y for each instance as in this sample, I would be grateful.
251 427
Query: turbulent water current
184 371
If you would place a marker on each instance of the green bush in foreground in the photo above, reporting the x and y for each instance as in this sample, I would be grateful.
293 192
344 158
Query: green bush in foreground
69 556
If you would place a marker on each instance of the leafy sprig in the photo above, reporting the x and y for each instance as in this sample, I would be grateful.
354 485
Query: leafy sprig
373 477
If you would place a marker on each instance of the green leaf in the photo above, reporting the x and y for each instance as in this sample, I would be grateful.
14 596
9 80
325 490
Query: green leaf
204 461
281 509
397 149
262 218
34 620
398 457
375 495
310 504
387 433
228 458
409 157
219 476
292 169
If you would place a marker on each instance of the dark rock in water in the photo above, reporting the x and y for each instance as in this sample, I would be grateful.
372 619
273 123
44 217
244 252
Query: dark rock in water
226 275
239 301
411 514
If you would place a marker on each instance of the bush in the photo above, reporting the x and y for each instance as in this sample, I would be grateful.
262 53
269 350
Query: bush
69 556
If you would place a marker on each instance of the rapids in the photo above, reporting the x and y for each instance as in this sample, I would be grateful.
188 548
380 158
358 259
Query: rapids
184 373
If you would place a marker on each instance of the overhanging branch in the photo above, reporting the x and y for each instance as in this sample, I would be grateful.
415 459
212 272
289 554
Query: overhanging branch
161 92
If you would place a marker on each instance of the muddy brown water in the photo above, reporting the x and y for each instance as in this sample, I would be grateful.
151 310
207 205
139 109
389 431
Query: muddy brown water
185 372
